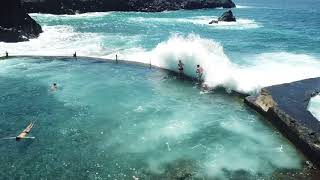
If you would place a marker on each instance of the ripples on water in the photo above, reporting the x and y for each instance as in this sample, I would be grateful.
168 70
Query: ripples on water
118 121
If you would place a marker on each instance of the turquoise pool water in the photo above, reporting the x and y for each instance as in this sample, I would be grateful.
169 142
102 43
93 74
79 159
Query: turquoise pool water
120 121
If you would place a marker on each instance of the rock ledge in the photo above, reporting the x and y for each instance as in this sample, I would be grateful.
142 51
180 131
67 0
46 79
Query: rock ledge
286 106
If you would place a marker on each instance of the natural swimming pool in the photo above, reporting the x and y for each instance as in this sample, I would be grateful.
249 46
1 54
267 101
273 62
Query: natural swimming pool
116 121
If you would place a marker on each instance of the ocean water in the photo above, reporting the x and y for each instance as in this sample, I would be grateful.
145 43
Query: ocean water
116 121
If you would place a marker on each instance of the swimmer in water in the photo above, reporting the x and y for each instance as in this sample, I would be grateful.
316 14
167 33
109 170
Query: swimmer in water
54 87
199 72
180 68
25 132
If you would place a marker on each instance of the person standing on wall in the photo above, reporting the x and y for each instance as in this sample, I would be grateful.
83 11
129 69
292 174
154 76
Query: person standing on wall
199 72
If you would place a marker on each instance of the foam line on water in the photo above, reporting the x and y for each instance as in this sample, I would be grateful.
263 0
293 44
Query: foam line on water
57 40
64 40
243 7
240 24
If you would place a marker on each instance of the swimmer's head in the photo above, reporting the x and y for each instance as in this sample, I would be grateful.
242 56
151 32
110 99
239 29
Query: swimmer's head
198 65
54 84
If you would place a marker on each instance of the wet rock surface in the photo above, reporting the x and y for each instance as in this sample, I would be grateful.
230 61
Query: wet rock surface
15 24
227 17
286 106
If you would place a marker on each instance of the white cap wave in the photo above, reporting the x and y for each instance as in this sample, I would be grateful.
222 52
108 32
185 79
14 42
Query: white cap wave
264 70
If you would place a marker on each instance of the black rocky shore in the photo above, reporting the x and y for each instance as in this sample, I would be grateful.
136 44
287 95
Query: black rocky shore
286 107
15 24
83 6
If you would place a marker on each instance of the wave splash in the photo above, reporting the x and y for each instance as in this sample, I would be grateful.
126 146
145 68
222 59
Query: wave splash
314 106
264 70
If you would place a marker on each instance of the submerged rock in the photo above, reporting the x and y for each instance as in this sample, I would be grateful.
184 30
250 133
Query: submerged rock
72 6
227 16
15 24
214 22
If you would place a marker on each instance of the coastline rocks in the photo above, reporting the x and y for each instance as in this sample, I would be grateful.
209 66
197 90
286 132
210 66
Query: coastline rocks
214 22
83 6
226 17
15 24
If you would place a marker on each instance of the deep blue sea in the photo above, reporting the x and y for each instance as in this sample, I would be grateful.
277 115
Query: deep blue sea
124 121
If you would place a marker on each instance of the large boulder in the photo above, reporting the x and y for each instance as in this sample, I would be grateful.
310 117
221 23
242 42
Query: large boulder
15 24
82 6
227 16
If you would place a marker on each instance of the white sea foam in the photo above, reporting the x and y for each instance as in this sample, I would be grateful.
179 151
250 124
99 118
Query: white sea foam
314 106
243 7
57 40
240 24
266 69
253 137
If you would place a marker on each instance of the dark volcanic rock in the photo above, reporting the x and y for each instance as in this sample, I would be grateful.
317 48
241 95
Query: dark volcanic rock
227 16
285 106
15 24
214 22
73 6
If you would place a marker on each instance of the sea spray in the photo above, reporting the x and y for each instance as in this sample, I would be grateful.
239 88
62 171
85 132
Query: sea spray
314 106
240 24
261 70
264 69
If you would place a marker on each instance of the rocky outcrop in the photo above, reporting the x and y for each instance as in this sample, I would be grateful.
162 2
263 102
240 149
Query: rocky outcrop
77 6
15 24
227 16
286 107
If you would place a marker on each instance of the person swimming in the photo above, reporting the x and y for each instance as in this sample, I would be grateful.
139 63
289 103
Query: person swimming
54 87
25 132
180 67
199 72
